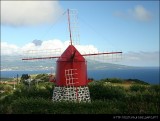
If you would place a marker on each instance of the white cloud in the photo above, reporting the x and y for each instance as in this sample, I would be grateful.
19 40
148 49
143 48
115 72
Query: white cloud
52 44
47 48
138 13
86 49
22 13
8 49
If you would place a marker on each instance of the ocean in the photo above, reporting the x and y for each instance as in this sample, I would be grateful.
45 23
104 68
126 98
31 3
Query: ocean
149 75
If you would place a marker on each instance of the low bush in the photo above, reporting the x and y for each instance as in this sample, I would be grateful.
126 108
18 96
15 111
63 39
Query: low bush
34 92
137 87
6 89
102 92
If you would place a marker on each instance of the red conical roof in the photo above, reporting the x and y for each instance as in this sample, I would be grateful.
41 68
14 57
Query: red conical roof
71 54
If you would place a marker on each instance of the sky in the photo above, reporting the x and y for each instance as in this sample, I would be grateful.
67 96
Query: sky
128 26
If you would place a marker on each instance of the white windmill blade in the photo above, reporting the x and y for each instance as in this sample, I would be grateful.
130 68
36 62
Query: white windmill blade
103 56
40 54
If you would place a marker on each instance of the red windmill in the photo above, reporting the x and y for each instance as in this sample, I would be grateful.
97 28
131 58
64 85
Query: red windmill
71 73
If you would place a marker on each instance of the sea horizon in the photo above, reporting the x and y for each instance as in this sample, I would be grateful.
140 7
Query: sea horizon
147 74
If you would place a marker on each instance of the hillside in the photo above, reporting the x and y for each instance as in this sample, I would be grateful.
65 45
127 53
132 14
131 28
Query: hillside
95 65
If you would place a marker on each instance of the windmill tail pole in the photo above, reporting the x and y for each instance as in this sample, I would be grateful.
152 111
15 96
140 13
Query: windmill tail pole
101 53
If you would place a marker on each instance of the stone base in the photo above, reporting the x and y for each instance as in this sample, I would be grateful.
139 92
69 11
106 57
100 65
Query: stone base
71 93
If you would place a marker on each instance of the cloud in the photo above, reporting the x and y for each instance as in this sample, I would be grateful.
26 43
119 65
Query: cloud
24 13
138 13
85 49
8 49
46 48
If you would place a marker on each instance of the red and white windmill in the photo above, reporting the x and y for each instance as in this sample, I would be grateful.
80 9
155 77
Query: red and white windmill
71 81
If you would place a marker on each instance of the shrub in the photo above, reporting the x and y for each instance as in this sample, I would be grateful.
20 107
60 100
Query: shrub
102 92
34 91
30 105
43 77
137 87
155 88
6 88
5 104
